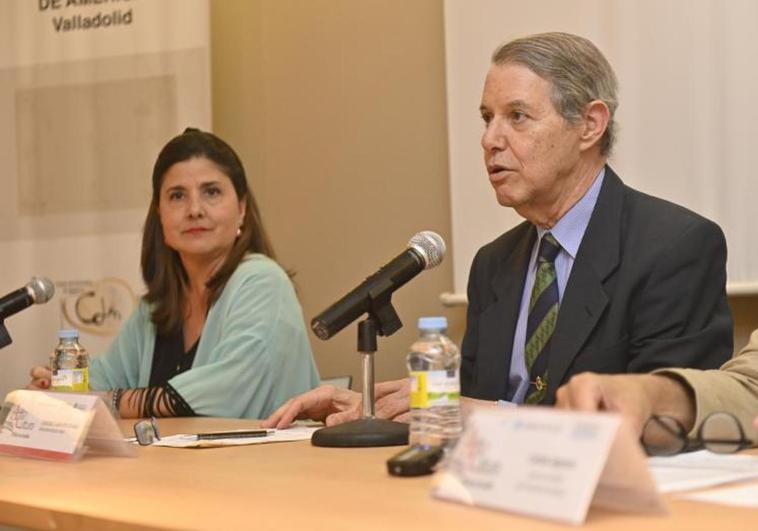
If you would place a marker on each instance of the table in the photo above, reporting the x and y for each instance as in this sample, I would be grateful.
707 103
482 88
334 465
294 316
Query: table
274 486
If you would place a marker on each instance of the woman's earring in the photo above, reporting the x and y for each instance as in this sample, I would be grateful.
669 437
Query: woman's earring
239 231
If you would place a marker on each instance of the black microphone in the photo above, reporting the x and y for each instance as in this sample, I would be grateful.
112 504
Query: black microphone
38 291
425 251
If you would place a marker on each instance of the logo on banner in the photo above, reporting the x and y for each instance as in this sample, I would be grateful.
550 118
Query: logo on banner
97 307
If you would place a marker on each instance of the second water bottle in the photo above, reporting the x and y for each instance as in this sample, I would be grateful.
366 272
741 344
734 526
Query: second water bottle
434 367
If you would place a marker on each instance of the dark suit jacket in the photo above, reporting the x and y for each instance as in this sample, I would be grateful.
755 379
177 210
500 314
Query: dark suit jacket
647 290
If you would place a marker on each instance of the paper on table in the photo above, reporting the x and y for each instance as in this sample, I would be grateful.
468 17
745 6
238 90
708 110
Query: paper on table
701 469
742 496
187 440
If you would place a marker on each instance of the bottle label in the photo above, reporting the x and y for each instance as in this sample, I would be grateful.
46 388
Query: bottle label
434 388
70 380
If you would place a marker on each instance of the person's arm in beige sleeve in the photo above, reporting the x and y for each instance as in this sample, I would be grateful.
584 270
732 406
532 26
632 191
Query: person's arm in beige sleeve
689 395
635 396
732 388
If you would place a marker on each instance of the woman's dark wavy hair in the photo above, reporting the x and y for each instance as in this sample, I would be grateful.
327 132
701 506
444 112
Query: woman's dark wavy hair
162 269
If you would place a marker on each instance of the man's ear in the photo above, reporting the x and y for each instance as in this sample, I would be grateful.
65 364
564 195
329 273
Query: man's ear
594 123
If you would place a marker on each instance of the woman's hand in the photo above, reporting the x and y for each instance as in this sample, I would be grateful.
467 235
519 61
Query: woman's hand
41 377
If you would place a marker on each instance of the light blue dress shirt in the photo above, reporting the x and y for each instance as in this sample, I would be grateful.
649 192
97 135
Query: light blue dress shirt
569 232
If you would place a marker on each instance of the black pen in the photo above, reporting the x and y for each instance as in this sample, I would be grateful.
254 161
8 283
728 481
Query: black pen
238 434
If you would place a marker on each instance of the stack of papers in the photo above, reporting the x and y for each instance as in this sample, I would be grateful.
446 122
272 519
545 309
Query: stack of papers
696 470
742 496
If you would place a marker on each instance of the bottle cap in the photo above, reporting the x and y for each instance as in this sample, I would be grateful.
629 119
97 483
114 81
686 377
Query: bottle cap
432 323
70 333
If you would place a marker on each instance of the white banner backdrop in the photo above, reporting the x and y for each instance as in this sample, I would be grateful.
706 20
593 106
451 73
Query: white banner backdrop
687 116
89 93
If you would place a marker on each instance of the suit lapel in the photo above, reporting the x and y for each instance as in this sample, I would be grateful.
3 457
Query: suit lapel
585 299
498 322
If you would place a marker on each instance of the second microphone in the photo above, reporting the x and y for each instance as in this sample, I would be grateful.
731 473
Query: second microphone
425 251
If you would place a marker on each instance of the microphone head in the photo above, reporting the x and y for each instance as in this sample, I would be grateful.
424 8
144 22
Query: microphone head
41 289
430 246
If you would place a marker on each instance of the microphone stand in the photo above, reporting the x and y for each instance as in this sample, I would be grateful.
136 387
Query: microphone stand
5 337
368 430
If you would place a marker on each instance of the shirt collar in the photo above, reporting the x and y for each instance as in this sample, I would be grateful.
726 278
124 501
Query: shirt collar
570 229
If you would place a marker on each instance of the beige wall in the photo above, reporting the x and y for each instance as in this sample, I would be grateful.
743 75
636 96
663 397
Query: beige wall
338 109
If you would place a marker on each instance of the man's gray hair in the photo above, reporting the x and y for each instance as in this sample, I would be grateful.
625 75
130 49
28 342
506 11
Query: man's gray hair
575 67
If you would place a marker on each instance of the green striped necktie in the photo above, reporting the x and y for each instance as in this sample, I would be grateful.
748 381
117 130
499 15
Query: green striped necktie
543 313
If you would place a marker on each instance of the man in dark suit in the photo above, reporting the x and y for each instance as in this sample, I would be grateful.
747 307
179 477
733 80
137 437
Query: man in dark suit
598 278
633 283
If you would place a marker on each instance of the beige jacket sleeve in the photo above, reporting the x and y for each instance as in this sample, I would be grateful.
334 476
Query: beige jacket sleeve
732 388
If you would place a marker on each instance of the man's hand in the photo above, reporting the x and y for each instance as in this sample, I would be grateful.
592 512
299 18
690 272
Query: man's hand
393 400
635 396
327 403
334 405
41 377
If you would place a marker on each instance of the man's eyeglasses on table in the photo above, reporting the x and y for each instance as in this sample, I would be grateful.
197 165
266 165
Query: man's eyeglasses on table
720 432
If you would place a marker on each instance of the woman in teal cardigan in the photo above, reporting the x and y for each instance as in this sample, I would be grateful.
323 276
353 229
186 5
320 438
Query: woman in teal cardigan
220 331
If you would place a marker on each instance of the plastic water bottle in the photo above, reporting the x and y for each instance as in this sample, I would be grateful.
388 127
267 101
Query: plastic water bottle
434 368
69 363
